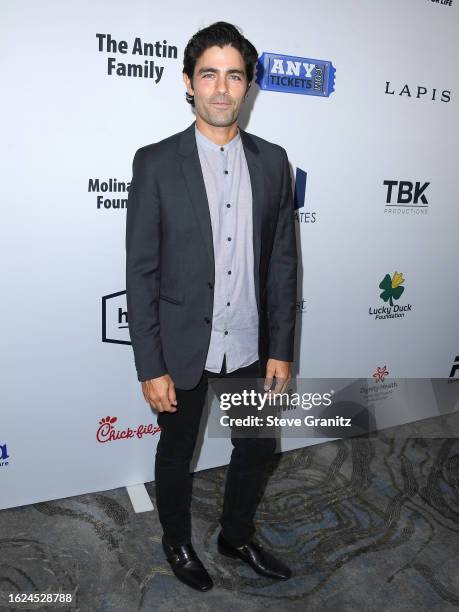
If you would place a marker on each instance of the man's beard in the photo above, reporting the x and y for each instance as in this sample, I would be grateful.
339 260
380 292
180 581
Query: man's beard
217 118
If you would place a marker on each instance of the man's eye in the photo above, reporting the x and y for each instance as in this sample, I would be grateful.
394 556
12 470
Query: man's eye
236 76
209 74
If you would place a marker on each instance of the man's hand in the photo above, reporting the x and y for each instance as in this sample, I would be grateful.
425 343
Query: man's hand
279 369
160 393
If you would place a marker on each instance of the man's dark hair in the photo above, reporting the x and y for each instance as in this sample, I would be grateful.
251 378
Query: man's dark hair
218 34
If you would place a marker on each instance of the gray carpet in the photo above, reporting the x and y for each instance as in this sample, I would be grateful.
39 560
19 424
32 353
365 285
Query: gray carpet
366 524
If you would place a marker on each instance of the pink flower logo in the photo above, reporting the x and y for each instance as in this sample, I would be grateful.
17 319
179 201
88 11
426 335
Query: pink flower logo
380 374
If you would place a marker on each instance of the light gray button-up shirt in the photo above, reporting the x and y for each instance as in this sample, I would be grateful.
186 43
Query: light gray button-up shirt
229 193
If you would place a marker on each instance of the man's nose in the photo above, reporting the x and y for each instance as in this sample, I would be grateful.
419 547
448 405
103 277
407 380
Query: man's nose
222 84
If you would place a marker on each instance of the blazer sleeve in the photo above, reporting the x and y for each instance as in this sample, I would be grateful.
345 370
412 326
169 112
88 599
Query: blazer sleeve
282 275
143 235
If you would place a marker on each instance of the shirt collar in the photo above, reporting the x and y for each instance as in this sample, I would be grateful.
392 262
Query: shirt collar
203 140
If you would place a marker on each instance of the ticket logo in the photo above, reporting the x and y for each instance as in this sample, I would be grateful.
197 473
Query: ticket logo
291 74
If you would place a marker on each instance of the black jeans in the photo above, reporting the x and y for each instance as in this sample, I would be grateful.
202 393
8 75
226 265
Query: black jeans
173 481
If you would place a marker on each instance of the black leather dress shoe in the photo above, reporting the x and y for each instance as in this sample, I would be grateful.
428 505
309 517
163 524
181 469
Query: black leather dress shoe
253 553
187 566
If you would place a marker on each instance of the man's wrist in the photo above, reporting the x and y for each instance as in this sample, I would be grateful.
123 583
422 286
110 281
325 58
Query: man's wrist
144 377
288 357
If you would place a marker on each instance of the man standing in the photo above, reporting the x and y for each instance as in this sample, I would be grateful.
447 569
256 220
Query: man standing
211 274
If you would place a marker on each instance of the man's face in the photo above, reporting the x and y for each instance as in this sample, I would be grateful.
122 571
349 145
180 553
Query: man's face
219 85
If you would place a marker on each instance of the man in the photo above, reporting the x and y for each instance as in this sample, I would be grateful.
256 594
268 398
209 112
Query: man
211 290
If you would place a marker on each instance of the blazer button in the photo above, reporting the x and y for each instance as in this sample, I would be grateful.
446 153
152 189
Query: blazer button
206 319
210 285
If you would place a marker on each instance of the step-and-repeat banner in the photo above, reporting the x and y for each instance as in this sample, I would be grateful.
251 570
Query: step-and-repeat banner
364 98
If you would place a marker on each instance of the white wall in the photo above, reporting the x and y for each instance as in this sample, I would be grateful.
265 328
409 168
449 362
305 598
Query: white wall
66 121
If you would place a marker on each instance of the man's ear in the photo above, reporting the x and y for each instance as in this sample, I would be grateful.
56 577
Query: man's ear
187 81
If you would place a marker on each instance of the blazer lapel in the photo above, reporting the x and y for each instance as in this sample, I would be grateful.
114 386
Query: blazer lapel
257 181
196 187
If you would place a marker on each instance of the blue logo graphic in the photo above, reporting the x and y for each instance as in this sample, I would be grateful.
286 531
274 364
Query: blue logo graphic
300 188
3 455
291 74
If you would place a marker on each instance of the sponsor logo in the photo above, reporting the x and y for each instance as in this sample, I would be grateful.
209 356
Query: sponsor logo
301 306
104 188
405 197
418 92
292 74
392 289
443 2
115 326
106 432
380 374
148 69
4 456
299 198
380 391
454 367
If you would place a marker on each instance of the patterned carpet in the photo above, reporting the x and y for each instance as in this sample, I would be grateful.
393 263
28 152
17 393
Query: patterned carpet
366 524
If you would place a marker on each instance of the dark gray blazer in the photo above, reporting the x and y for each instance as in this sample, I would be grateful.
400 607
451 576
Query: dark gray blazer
170 268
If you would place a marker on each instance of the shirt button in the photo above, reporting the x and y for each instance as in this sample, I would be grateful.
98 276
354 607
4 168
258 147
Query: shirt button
229 271
226 333
228 205
228 303
229 238
226 171
222 149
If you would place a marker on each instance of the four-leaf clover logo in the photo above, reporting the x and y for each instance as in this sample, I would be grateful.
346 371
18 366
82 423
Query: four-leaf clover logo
392 288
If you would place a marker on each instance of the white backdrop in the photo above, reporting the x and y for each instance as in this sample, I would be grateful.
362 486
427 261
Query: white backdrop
66 363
